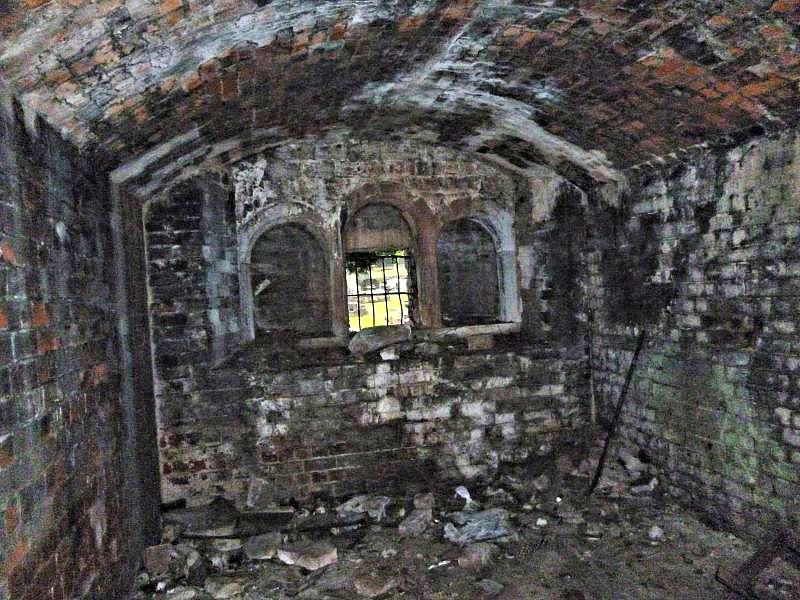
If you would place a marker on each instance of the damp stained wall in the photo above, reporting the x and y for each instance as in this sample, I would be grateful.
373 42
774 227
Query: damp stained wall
704 254
73 518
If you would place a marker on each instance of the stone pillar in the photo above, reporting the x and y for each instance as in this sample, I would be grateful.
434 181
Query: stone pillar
428 276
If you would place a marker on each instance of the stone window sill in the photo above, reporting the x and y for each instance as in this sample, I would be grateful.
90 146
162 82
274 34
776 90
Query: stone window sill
430 334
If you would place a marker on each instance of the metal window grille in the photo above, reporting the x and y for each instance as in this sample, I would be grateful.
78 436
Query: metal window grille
379 289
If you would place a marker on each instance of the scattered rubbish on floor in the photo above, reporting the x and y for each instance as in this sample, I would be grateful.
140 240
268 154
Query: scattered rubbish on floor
522 535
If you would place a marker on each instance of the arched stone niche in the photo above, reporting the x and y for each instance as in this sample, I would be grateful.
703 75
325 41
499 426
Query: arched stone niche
469 289
287 270
289 277
477 269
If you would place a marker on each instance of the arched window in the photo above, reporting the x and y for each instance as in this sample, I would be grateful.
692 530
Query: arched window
468 274
289 276
379 264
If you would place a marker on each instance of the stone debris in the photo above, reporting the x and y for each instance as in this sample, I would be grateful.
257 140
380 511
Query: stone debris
170 532
489 587
157 559
497 497
356 548
542 482
215 519
223 588
422 501
471 527
191 566
374 506
186 593
263 547
631 462
656 534
416 522
477 556
373 585
626 477
309 555
372 339
469 503
645 488
167 562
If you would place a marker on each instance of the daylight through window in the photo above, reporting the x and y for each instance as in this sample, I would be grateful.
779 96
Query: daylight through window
379 288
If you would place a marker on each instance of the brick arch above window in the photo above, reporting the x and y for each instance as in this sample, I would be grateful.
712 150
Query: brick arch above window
377 226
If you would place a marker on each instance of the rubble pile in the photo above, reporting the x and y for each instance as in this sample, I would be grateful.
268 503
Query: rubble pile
453 542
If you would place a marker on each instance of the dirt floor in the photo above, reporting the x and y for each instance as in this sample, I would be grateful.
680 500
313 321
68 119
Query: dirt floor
627 542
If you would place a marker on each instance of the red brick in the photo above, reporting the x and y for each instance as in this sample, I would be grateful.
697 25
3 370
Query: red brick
410 23
718 22
525 38
7 252
773 32
47 342
40 315
168 6
671 66
785 6
10 518
229 88
16 558
339 30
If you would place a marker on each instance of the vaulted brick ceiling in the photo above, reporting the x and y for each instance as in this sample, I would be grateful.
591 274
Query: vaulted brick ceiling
585 87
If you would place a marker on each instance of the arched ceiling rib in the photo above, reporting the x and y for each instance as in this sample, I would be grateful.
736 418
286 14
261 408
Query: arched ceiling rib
584 87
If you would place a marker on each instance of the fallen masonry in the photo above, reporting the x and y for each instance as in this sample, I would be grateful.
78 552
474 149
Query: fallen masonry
515 537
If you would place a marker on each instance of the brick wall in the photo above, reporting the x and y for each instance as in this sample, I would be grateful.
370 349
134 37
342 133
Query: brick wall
216 435
66 528
704 254
346 426
191 264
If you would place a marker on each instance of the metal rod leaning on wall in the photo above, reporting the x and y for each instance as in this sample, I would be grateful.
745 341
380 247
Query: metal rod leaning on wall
617 412
590 343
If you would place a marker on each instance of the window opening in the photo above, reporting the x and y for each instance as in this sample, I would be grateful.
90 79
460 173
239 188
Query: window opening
380 289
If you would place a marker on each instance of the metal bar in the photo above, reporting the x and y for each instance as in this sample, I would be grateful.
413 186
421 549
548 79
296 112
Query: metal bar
399 291
385 291
371 295
613 426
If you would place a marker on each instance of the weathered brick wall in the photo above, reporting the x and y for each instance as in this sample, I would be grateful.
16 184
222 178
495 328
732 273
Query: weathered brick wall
191 265
347 426
704 254
194 308
552 232
213 432
65 521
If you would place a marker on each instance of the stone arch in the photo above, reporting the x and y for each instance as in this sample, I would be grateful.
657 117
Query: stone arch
498 269
468 269
285 263
378 225
289 282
